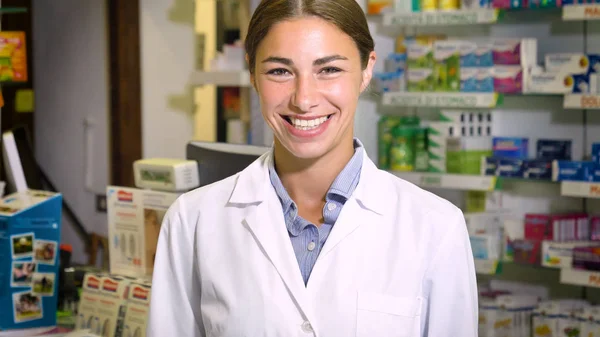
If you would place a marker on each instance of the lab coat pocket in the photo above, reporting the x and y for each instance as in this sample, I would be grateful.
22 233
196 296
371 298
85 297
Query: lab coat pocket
385 315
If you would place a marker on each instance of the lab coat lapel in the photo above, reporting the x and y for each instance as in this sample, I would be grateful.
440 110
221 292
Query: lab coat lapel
264 218
365 207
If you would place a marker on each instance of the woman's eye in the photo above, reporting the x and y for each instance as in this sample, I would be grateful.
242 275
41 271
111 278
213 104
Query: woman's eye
278 72
330 70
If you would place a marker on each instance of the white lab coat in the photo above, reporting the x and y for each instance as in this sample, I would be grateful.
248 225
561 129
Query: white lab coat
397 263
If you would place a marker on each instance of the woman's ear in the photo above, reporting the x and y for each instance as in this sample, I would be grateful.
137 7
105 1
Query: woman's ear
367 73
251 72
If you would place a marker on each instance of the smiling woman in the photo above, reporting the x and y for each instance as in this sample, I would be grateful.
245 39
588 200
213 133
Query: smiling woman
312 239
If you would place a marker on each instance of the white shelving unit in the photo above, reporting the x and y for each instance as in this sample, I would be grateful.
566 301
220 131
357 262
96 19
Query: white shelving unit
442 99
449 181
239 78
581 12
580 189
580 277
579 101
442 18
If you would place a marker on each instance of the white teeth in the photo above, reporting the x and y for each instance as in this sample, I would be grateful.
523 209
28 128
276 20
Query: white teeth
303 124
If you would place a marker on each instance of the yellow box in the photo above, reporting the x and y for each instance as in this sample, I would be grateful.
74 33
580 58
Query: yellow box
13 57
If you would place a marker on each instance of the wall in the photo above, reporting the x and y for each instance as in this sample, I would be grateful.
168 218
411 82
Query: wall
167 52
71 83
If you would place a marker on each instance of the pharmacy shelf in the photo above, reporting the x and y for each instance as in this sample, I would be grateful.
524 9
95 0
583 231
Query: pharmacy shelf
442 99
449 181
576 277
487 267
578 101
581 12
580 189
221 78
443 18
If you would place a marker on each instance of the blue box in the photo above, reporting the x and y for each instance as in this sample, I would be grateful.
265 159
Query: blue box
30 225
502 167
563 170
596 175
554 149
537 169
596 153
510 147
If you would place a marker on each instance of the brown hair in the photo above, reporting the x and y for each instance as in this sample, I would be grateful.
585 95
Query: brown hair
345 14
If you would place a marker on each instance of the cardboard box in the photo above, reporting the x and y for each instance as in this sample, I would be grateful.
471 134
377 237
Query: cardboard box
134 220
30 224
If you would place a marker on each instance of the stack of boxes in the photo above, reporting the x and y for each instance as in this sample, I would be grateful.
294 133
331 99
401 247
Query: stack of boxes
117 303
113 305
511 158
570 170
434 64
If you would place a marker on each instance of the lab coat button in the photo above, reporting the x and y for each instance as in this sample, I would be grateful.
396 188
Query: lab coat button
311 246
331 206
306 327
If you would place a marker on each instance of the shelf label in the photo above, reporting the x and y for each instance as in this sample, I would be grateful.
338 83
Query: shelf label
581 12
594 190
431 180
459 17
443 100
591 12
590 102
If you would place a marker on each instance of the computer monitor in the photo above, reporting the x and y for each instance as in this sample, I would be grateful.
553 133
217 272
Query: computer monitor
217 161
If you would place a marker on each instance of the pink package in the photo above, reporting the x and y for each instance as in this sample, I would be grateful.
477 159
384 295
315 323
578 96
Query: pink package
509 4
537 227
595 228
508 79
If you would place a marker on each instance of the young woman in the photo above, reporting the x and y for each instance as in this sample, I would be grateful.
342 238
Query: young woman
312 239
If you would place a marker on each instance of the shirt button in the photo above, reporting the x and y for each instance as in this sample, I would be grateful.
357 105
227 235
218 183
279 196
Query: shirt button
306 327
331 206
311 246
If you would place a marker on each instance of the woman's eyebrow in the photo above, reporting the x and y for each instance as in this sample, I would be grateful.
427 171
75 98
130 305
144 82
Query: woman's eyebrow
317 62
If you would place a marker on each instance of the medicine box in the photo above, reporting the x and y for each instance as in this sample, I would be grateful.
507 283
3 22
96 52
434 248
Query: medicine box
510 147
134 220
508 79
518 52
30 223
573 170
138 308
103 304
572 63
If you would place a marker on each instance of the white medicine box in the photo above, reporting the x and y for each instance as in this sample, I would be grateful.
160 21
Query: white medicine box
135 217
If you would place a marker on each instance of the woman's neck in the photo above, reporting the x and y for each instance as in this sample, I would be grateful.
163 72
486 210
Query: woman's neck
308 180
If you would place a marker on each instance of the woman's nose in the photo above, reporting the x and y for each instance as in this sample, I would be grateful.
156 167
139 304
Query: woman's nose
306 93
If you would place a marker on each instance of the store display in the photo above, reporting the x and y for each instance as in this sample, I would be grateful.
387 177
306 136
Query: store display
30 224
134 220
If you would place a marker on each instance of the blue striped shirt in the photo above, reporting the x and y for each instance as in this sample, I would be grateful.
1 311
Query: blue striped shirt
308 239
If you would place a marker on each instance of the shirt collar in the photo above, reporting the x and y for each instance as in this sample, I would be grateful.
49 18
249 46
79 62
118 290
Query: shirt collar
343 185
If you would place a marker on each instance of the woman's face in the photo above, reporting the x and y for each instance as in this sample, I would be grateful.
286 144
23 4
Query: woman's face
308 76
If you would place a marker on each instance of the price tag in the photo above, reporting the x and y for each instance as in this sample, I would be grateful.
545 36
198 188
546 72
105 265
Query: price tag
431 181
594 280
595 190
590 102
